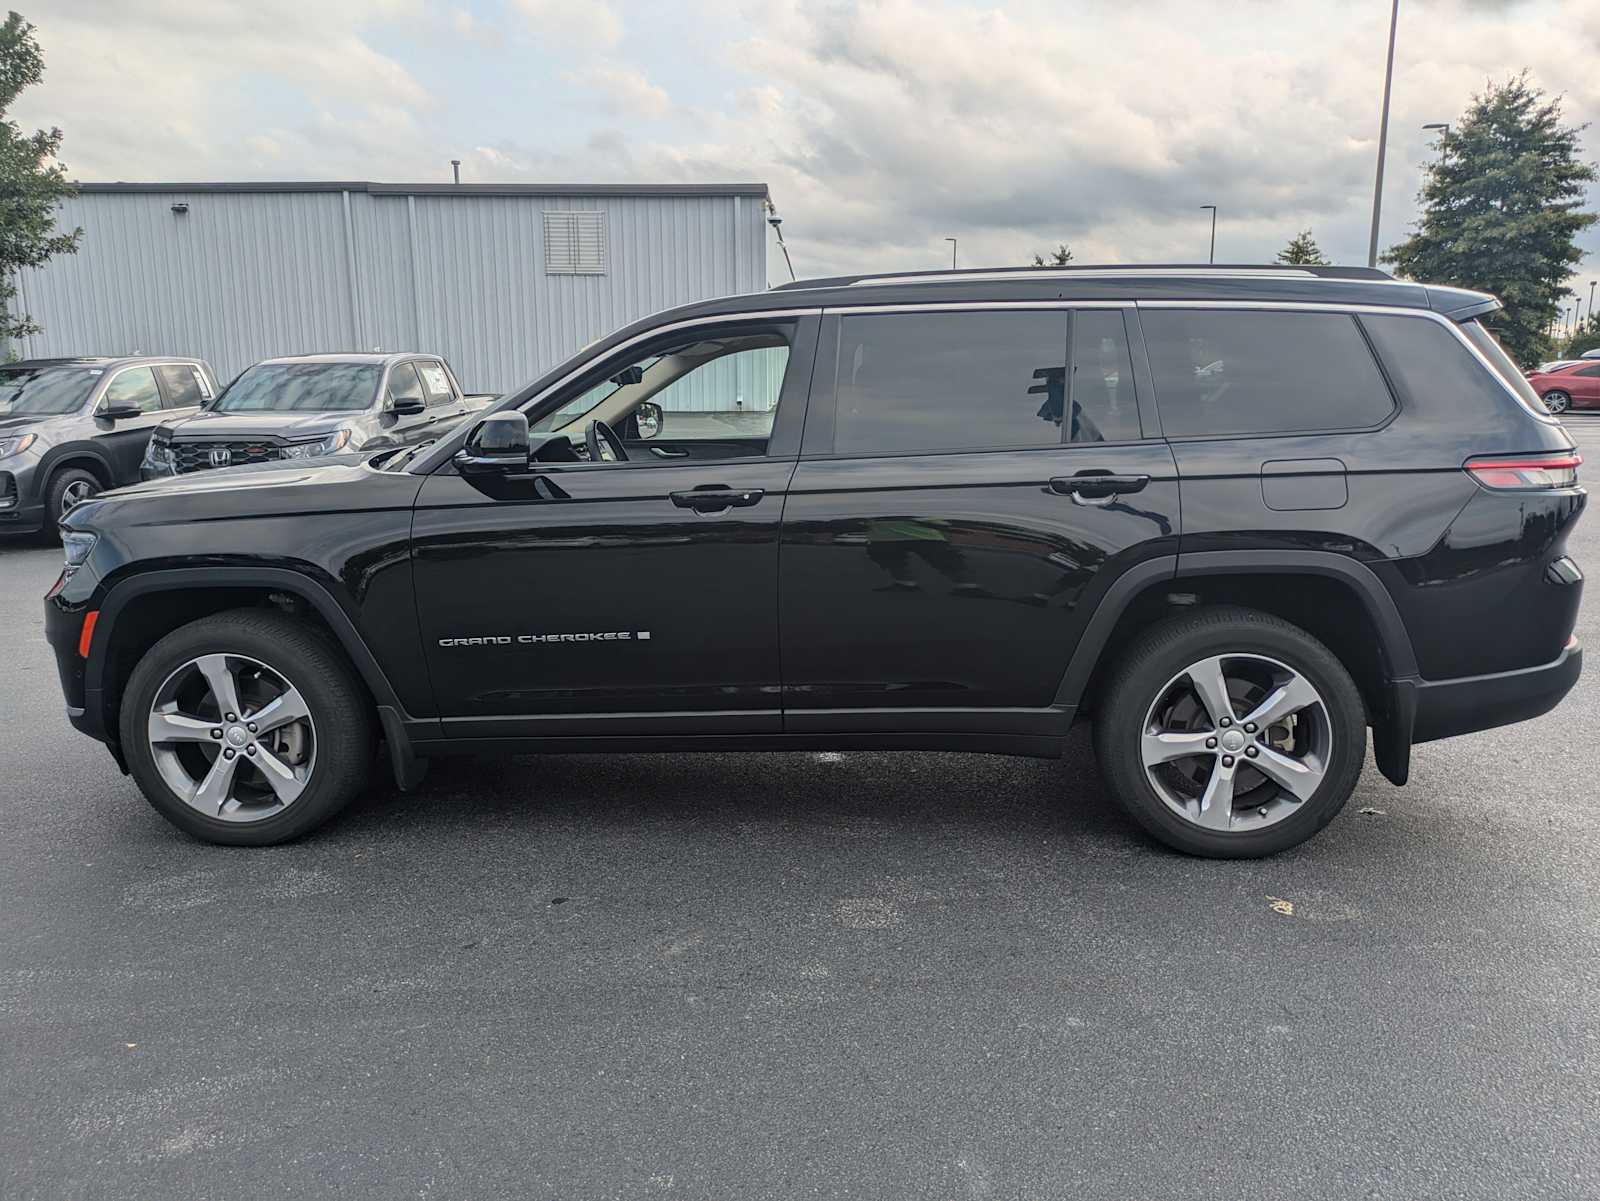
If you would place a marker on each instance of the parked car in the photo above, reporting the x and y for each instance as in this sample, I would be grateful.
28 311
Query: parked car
306 406
70 428
1004 501
1574 385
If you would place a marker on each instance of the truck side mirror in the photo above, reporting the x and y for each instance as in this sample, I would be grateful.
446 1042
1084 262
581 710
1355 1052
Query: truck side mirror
497 446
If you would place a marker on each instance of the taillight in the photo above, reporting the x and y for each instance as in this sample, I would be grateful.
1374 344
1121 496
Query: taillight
1526 472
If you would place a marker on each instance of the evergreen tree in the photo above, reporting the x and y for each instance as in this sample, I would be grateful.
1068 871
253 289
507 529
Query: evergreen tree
32 183
1059 257
1501 207
1302 251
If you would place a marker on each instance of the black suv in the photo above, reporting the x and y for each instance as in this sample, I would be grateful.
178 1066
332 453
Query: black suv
1235 516
72 427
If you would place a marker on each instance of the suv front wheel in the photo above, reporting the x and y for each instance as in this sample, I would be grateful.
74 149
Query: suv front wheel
1230 733
246 728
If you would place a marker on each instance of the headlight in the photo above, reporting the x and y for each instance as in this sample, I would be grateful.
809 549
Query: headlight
76 545
16 444
332 444
158 455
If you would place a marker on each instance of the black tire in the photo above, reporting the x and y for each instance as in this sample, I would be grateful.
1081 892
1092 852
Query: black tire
338 704
1557 401
55 494
1165 651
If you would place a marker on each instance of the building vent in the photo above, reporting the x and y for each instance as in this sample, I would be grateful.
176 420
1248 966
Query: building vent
574 243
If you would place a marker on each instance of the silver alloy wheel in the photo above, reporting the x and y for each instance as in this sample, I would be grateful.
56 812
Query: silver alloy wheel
75 493
1557 402
1236 742
232 737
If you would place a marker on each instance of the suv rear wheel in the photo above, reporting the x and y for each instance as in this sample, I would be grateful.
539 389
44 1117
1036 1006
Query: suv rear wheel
1231 733
246 728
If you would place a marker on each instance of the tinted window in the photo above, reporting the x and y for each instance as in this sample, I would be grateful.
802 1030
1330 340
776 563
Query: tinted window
46 391
183 385
1479 335
135 386
1588 371
1245 372
1426 361
301 387
1104 407
435 383
910 382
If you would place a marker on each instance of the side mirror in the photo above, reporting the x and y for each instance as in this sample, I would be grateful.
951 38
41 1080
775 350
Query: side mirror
498 446
648 419
404 406
114 412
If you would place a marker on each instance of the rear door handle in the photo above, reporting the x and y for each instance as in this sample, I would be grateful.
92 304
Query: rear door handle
716 497
1096 488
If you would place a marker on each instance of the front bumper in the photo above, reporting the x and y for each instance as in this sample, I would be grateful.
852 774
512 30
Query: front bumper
1445 708
21 507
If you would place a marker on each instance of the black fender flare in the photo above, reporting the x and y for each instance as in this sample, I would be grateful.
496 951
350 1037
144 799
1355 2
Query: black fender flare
278 579
1392 728
65 455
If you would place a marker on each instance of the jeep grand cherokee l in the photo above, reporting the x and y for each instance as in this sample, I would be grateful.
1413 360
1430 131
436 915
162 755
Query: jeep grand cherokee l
1234 517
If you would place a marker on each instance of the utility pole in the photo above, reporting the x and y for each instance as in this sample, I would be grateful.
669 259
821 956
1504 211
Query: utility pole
952 242
1383 136
1211 255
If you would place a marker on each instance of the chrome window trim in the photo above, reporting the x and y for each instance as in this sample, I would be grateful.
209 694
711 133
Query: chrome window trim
956 306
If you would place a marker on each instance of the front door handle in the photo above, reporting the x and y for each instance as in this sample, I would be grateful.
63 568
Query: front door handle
714 498
661 452
1097 488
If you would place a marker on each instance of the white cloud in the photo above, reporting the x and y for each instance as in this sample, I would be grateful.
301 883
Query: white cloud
589 23
622 91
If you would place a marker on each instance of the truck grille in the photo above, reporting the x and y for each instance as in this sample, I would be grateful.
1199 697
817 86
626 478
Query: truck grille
197 456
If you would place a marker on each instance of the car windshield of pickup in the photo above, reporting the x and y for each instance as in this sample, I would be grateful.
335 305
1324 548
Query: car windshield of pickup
301 388
45 391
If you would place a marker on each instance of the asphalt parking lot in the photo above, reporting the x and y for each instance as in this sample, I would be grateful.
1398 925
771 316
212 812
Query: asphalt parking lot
871 976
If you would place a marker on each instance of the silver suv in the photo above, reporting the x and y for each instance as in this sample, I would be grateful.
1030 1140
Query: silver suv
70 428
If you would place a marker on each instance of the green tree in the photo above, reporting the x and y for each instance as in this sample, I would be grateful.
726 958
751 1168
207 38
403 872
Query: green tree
1502 205
1585 337
1059 257
32 182
1302 251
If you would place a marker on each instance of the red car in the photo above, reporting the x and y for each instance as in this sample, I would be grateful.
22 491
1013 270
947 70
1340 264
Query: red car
1569 386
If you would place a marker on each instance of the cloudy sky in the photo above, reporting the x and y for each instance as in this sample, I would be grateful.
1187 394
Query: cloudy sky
882 127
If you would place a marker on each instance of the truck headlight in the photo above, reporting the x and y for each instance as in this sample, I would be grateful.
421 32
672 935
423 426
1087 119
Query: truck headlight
158 455
330 445
16 444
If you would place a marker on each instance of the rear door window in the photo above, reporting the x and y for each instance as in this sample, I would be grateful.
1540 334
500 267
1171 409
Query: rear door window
912 383
1104 405
1242 371
184 387
434 382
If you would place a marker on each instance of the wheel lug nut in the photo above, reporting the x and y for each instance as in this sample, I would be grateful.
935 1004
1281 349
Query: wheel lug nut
1227 761
251 749
1225 723
228 754
231 717
1249 727
251 726
1211 744
216 733
1252 752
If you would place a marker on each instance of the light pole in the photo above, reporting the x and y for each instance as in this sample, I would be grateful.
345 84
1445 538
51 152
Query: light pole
1592 283
952 242
1211 257
1383 136
777 228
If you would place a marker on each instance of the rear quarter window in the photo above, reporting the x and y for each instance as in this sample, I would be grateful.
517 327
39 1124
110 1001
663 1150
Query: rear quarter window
1429 366
1240 371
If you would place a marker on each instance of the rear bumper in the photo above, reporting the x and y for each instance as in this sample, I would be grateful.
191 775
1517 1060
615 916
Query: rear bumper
1445 708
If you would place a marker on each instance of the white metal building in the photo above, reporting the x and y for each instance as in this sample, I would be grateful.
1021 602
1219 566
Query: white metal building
504 280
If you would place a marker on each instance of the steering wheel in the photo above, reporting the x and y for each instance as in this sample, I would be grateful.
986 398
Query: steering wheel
599 432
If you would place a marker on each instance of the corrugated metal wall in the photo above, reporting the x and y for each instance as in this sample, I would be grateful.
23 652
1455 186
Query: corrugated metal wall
245 275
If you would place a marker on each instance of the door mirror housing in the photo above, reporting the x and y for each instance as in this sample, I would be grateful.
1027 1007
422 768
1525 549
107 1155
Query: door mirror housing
648 419
404 406
498 446
114 412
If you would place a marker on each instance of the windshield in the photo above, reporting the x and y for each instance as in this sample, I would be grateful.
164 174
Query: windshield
1503 366
301 388
585 401
46 391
